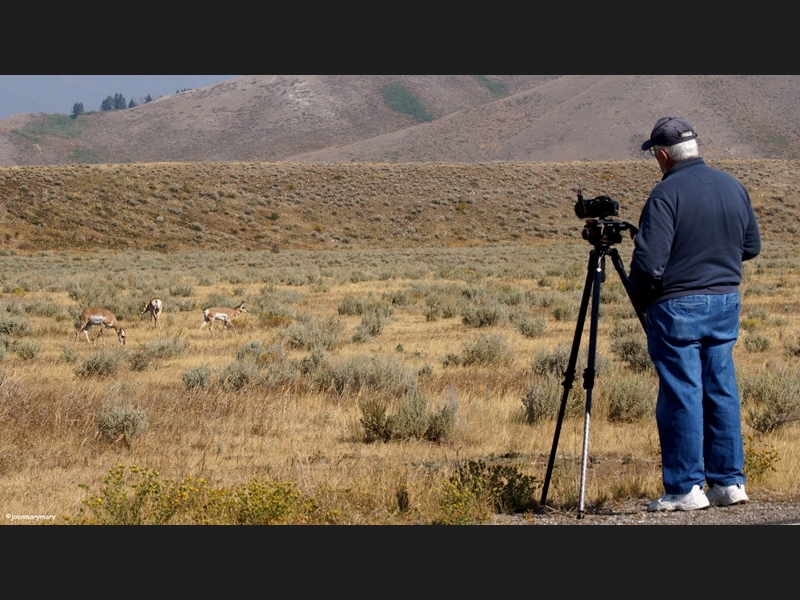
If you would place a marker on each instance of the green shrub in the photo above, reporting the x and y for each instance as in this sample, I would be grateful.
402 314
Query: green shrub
121 423
137 496
506 488
411 422
197 378
759 458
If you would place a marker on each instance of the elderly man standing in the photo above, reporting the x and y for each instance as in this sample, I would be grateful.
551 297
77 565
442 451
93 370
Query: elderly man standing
694 232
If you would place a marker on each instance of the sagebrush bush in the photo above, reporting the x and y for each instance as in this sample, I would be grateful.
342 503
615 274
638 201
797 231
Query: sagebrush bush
770 400
197 378
238 375
27 349
165 348
250 351
323 333
365 374
532 328
121 423
755 342
632 397
181 290
372 324
353 306
633 350
488 349
484 314
68 353
14 326
104 363
542 399
553 362
412 421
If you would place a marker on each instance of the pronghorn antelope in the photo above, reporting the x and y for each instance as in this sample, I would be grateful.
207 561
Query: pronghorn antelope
226 315
154 308
102 318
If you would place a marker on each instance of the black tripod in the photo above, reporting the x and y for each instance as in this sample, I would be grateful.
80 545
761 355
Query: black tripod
602 234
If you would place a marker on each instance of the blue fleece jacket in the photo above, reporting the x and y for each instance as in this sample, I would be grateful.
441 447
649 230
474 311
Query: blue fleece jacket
695 230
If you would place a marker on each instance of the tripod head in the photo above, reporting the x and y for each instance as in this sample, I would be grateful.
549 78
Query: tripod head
600 230
603 233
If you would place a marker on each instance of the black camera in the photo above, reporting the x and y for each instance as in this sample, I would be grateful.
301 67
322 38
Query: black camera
596 208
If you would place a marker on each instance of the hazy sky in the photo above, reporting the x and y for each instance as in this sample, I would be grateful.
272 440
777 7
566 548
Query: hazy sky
58 93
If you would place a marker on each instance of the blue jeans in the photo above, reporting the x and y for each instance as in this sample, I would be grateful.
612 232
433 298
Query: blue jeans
690 339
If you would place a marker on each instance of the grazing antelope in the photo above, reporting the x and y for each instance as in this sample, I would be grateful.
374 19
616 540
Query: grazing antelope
226 315
154 308
102 318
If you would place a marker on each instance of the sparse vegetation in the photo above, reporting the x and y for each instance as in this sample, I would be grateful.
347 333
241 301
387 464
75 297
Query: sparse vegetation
279 400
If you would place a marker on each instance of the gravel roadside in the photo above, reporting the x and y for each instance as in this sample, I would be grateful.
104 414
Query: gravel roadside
634 512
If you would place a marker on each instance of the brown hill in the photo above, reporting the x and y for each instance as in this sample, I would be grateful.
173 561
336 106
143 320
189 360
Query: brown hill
256 206
514 118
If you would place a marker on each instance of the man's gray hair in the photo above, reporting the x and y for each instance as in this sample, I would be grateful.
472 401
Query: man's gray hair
683 151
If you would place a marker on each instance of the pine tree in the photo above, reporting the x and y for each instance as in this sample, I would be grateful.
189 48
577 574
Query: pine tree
77 110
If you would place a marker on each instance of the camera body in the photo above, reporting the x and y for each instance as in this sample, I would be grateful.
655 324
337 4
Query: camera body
596 208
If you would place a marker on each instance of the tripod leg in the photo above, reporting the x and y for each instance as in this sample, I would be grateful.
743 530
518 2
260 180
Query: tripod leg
588 376
615 258
569 373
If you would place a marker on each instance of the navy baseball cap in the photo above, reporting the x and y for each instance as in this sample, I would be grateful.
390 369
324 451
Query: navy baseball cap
668 132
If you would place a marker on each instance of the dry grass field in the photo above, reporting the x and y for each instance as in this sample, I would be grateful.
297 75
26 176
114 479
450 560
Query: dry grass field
368 386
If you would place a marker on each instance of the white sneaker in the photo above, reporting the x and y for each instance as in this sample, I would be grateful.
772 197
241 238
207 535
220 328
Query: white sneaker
722 495
692 501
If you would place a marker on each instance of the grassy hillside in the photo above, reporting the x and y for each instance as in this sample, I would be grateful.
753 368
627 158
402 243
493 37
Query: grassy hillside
251 206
